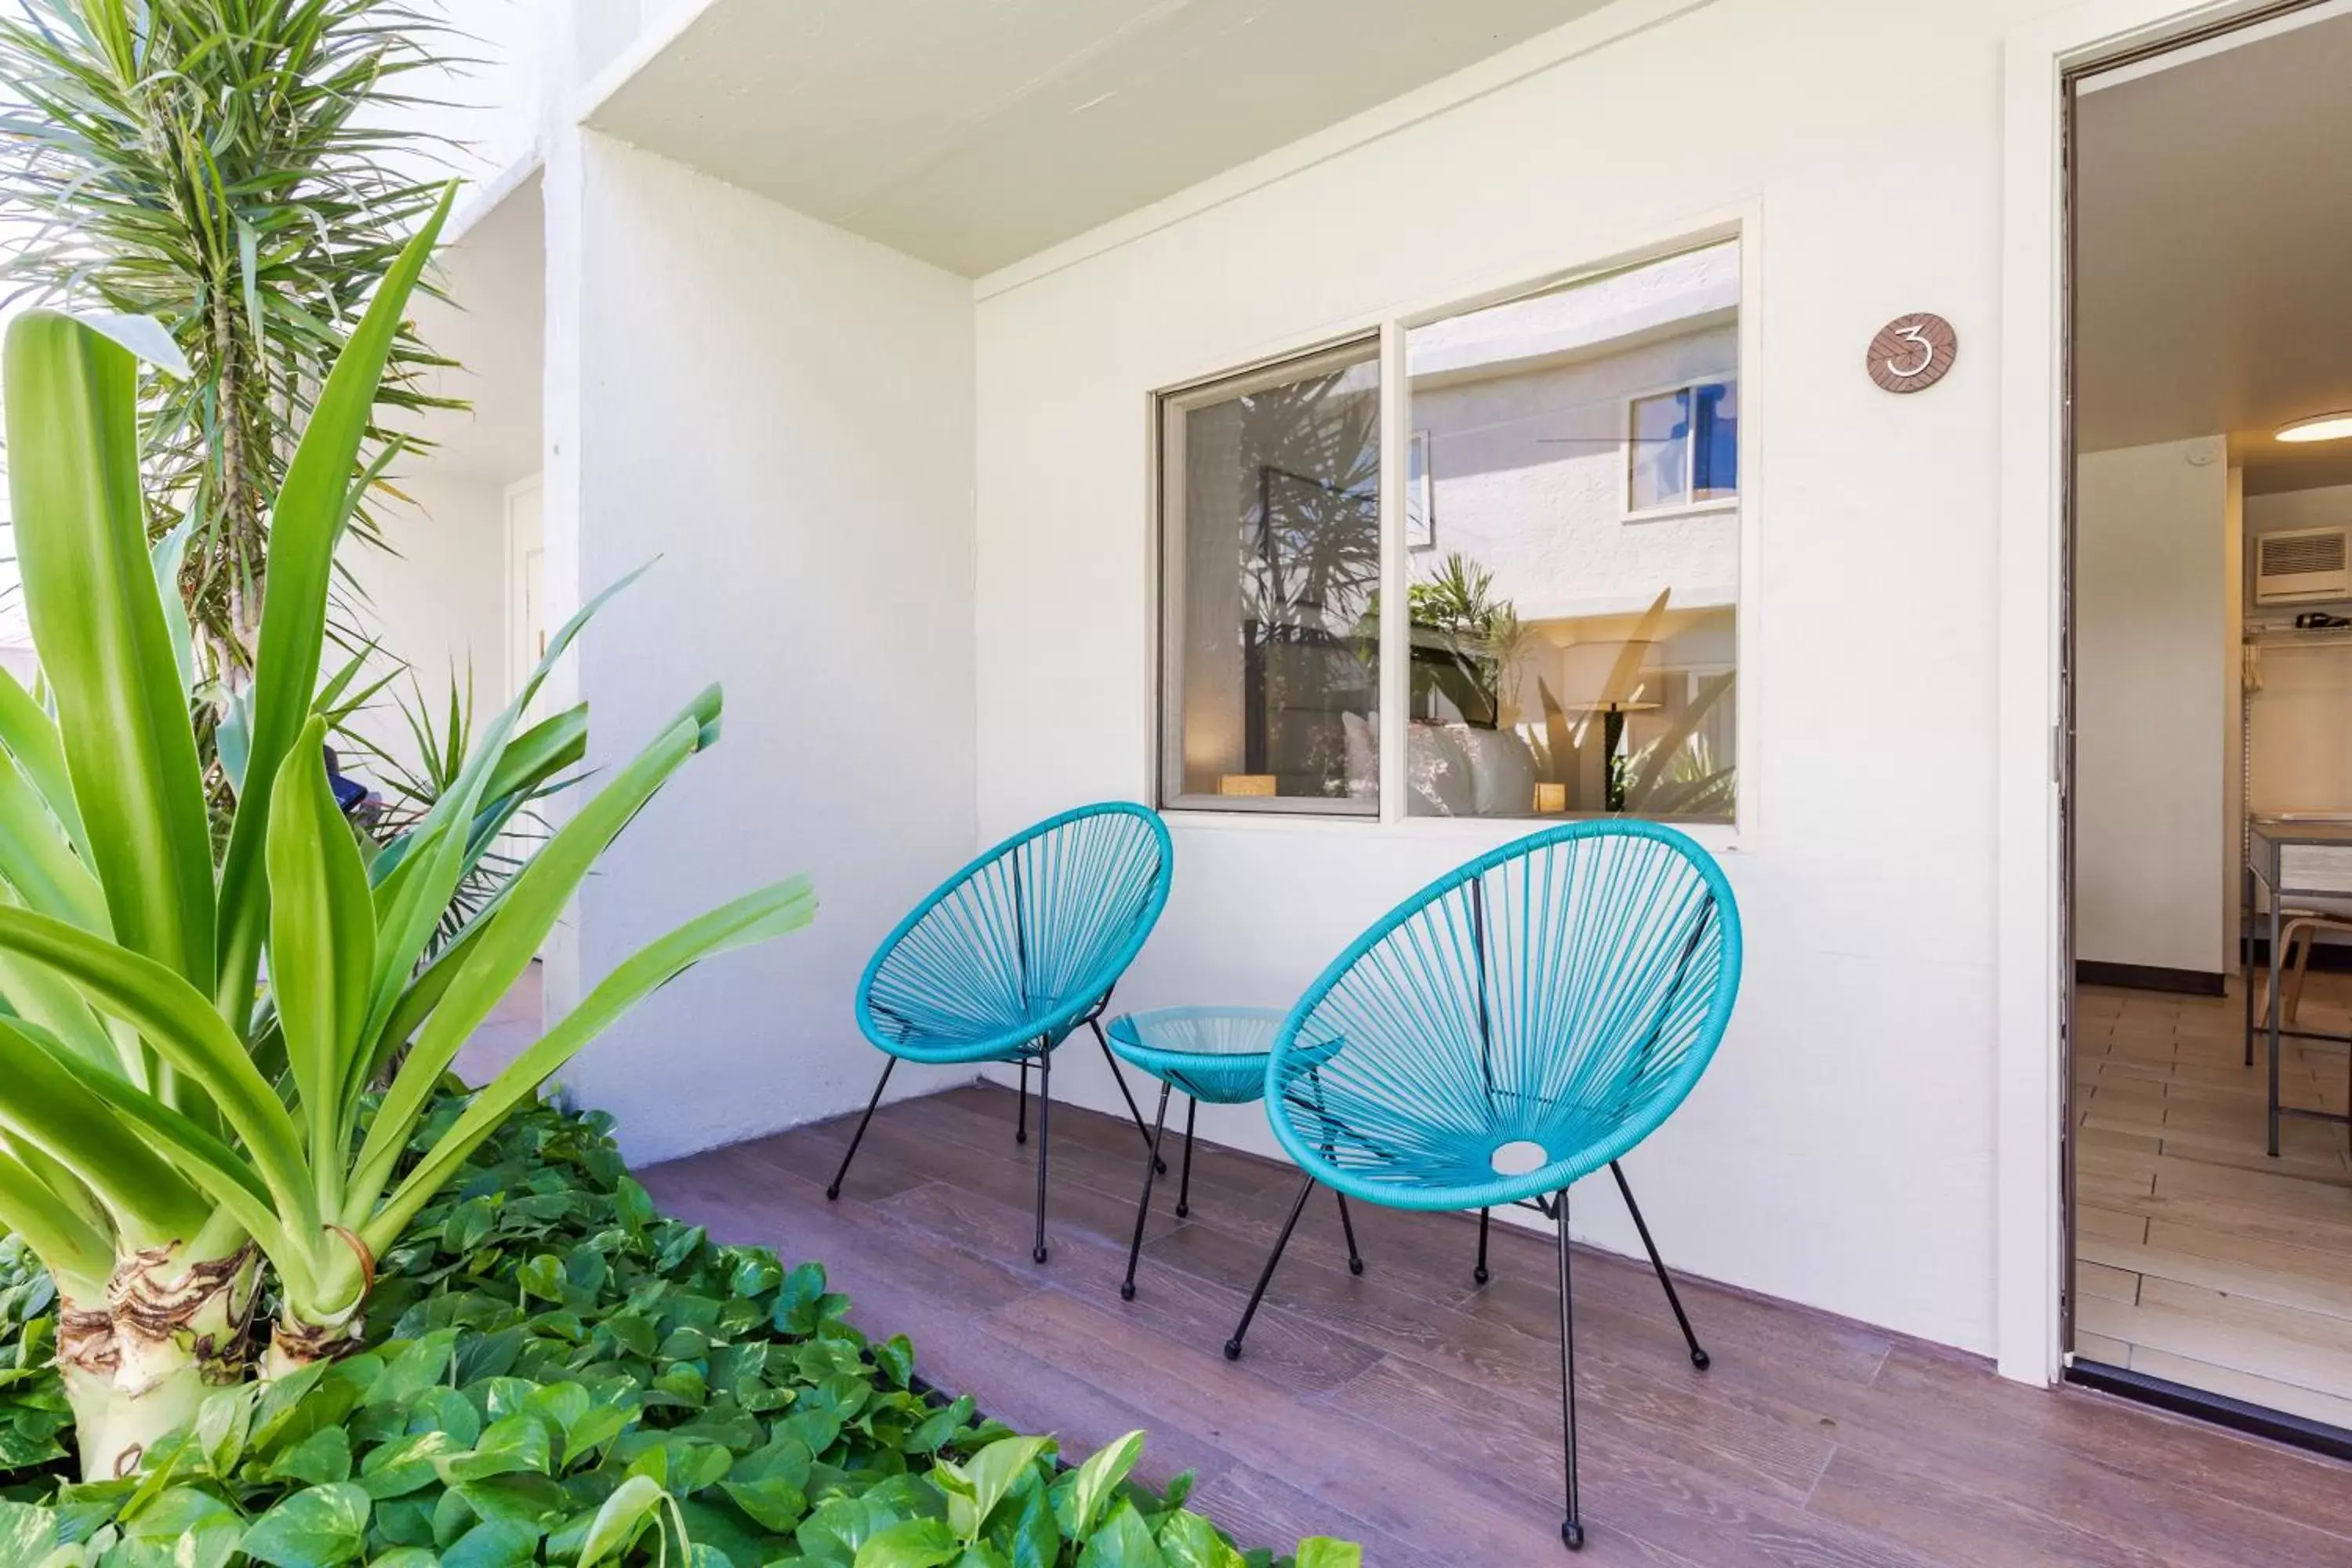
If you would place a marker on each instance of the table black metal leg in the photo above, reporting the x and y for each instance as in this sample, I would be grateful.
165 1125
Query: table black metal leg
2274 1011
1143 1205
2246 954
1348 1224
1184 1187
1234 1345
1126 1093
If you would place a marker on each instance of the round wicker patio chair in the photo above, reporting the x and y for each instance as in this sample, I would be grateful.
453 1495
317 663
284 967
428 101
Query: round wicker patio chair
1013 954
1518 1024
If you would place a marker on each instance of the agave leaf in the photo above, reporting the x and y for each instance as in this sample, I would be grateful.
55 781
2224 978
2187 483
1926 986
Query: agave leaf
411 892
38 863
167 554
538 753
43 1103
30 736
178 1021
219 1170
321 945
89 593
308 520
44 997
513 934
74 1251
756 917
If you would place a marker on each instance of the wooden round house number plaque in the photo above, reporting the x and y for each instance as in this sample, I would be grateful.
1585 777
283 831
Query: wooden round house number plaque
1912 354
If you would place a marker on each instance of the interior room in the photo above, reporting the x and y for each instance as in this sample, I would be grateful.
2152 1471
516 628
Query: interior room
2211 643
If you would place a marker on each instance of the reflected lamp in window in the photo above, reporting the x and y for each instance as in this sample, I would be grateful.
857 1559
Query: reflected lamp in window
1271 559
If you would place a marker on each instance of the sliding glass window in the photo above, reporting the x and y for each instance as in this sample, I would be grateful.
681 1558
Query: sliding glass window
1570 539
1270 514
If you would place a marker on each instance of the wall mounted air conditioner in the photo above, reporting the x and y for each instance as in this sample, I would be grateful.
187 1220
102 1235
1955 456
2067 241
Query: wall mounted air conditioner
2300 565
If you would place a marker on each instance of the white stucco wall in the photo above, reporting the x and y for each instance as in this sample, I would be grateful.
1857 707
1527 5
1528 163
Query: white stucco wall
1841 1151
1548 518
778 417
2156 686
437 599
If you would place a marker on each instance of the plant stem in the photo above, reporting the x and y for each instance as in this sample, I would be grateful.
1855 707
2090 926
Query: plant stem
169 1329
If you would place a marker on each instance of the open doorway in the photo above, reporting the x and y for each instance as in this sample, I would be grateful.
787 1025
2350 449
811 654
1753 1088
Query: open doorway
2210 662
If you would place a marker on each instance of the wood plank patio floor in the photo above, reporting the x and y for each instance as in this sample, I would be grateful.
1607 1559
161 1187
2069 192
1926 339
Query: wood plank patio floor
1420 1414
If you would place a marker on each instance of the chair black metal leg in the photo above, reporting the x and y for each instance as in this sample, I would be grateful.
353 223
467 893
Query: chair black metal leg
1133 1110
1571 1527
889 1066
1354 1259
1690 1337
1021 1128
1151 1168
1184 1189
1234 1345
1479 1273
1044 1144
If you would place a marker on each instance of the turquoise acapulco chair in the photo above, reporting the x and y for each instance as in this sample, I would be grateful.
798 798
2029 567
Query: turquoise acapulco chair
1518 1024
1015 954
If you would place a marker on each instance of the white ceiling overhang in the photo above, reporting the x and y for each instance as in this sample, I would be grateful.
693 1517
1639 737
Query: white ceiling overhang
975 133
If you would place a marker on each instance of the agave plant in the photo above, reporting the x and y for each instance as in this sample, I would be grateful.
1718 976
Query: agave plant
190 1035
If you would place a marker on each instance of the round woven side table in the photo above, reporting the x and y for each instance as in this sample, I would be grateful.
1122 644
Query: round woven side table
1212 1054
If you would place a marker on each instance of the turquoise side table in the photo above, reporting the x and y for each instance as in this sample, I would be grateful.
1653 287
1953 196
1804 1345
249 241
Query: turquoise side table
1214 1054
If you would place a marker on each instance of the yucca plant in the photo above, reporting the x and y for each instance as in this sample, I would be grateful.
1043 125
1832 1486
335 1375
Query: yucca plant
225 166
171 1116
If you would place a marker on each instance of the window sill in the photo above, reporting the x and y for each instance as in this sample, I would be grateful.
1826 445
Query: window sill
1475 833
1669 513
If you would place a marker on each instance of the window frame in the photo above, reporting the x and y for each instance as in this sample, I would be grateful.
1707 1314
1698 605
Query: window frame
1168 606
1627 511
1193 372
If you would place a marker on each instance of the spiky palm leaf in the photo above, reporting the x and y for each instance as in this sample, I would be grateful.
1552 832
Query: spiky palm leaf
223 166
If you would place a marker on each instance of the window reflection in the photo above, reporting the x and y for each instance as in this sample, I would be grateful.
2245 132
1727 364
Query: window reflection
1574 640
1272 569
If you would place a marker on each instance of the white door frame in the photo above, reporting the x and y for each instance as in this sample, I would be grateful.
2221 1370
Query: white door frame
520 658
2029 1183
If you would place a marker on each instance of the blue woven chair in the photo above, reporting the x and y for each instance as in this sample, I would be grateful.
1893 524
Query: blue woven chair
1013 954
1518 1024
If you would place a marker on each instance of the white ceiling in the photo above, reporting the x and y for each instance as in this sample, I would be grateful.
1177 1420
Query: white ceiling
2213 282
974 132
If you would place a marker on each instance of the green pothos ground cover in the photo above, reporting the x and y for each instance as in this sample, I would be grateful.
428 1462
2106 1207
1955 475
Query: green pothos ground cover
566 1376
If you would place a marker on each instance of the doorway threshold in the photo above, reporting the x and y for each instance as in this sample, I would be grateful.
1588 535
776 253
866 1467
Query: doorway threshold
2237 1415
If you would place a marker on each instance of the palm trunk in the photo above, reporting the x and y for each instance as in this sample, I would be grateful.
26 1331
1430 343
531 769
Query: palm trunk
169 1331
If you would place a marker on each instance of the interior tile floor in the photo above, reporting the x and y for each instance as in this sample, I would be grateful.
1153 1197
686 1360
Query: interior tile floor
2198 1257
1417 1412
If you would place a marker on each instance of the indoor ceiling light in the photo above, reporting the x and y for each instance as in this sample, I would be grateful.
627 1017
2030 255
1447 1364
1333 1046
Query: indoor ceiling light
2323 427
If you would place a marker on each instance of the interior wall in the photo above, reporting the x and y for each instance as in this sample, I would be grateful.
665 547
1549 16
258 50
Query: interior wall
1840 1150
2155 682
437 599
2297 720
776 419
